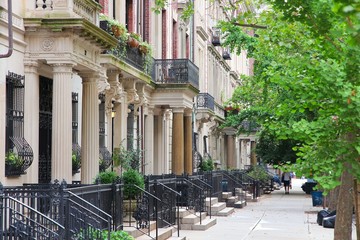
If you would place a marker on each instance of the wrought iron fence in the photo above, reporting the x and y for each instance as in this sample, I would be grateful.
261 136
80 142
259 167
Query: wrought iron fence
19 221
77 210
76 215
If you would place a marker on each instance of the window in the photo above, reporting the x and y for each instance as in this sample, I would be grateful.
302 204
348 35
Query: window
19 154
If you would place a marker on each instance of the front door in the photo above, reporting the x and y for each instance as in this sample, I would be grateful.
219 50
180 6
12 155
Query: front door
45 126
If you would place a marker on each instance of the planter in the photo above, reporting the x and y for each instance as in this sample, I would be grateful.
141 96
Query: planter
129 207
133 43
143 49
117 31
11 170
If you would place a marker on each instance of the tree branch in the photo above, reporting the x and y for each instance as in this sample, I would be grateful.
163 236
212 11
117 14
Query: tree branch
250 25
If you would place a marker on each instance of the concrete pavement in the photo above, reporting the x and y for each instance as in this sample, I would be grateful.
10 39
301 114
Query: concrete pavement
274 216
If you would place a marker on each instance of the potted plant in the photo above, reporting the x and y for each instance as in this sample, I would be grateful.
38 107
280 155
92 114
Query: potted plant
133 183
145 48
133 180
76 163
113 26
13 164
134 40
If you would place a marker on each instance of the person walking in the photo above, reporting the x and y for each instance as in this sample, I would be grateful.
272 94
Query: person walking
286 179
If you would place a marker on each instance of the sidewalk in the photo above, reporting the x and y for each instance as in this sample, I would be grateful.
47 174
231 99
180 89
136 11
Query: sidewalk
274 216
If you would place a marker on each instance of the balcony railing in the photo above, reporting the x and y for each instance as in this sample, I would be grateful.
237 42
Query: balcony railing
175 71
205 100
215 38
131 55
219 110
88 9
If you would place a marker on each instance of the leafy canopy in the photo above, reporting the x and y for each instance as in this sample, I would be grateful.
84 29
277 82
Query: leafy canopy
305 87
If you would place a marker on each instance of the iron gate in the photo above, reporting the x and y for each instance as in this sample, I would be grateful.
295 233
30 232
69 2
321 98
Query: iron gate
45 126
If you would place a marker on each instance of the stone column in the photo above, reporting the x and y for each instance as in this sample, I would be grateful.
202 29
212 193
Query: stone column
253 158
121 122
188 132
90 130
178 141
31 116
231 163
113 96
158 140
149 142
61 146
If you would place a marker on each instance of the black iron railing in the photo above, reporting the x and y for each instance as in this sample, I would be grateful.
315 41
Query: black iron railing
175 71
131 55
77 210
76 215
164 187
19 221
205 101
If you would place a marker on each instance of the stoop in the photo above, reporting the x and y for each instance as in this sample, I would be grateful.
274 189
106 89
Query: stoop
163 234
225 212
240 204
205 224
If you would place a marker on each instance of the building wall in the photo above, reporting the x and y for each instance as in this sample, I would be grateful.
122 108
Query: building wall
170 38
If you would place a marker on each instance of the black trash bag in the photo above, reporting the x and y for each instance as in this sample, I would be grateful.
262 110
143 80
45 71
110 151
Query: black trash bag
320 216
329 222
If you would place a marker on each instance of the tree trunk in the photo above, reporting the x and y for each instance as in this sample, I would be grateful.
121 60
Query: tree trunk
357 206
344 210
333 198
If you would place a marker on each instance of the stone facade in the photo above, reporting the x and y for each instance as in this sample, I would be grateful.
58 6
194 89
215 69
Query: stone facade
60 49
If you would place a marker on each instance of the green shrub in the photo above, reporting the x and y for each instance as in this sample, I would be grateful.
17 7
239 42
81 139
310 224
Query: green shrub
259 173
107 177
102 235
130 178
207 165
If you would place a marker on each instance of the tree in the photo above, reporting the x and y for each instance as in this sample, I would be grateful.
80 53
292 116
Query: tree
306 88
274 151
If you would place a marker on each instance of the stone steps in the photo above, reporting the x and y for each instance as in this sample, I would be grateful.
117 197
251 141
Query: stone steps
163 234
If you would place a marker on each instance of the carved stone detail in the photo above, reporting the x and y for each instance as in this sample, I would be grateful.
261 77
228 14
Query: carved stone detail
102 83
47 44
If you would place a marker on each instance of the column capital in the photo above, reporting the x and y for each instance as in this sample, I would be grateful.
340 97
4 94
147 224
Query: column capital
178 109
31 66
114 75
58 64
89 76
188 112
229 131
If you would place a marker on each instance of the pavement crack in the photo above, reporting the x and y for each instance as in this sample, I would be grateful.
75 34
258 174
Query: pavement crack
255 225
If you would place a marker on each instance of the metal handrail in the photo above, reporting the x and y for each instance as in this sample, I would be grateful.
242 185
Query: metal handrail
36 211
168 188
211 188
178 208
90 204
193 184
29 218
